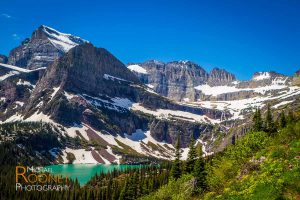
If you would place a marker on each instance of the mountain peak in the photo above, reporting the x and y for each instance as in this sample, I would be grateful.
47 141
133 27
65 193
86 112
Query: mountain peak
267 75
261 76
62 41
43 48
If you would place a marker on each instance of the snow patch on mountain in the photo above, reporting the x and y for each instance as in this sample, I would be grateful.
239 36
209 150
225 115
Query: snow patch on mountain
169 114
116 103
236 107
81 156
218 90
113 78
68 95
23 82
282 103
9 74
19 69
261 76
62 41
56 89
150 86
138 69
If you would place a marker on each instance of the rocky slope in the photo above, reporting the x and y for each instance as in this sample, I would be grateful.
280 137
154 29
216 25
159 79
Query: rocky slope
177 80
93 96
44 46
219 90
220 77
187 82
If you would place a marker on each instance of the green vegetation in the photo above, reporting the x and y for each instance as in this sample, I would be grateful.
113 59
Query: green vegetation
190 162
264 164
176 167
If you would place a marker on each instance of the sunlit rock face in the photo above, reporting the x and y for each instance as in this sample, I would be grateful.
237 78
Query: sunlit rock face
43 48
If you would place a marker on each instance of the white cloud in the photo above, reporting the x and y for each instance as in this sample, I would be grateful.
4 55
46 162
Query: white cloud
15 36
5 15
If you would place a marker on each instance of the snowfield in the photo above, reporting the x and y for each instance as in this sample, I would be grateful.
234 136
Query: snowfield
282 103
22 82
62 41
218 90
138 69
116 103
19 69
113 78
168 114
236 107
82 156
261 76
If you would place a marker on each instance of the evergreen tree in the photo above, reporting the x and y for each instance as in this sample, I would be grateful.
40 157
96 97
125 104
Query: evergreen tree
290 117
191 156
282 120
176 168
199 170
269 126
257 120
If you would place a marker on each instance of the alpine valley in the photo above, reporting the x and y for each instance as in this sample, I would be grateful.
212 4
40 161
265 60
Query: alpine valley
98 110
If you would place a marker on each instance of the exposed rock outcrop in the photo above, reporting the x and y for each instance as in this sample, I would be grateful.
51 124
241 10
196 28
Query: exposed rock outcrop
220 77
43 48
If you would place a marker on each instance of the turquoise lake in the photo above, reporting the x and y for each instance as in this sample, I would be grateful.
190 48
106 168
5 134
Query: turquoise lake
84 172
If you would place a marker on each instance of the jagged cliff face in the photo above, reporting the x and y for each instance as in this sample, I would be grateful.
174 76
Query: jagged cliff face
175 80
44 46
188 82
220 77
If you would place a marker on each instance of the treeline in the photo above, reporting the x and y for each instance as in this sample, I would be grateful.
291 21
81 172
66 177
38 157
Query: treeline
269 124
130 184
29 147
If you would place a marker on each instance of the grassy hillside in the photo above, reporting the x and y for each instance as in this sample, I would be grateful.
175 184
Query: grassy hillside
259 166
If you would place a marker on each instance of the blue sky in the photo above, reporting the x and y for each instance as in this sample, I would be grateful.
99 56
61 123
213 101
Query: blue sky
240 36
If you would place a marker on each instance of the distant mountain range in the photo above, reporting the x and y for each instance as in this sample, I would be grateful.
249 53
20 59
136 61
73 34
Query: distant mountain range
137 110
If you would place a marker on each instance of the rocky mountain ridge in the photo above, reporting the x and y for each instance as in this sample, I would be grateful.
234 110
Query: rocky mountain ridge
120 113
45 45
187 81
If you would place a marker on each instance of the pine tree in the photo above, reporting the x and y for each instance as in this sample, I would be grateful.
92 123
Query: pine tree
176 168
270 126
290 117
191 156
282 120
257 120
199 170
